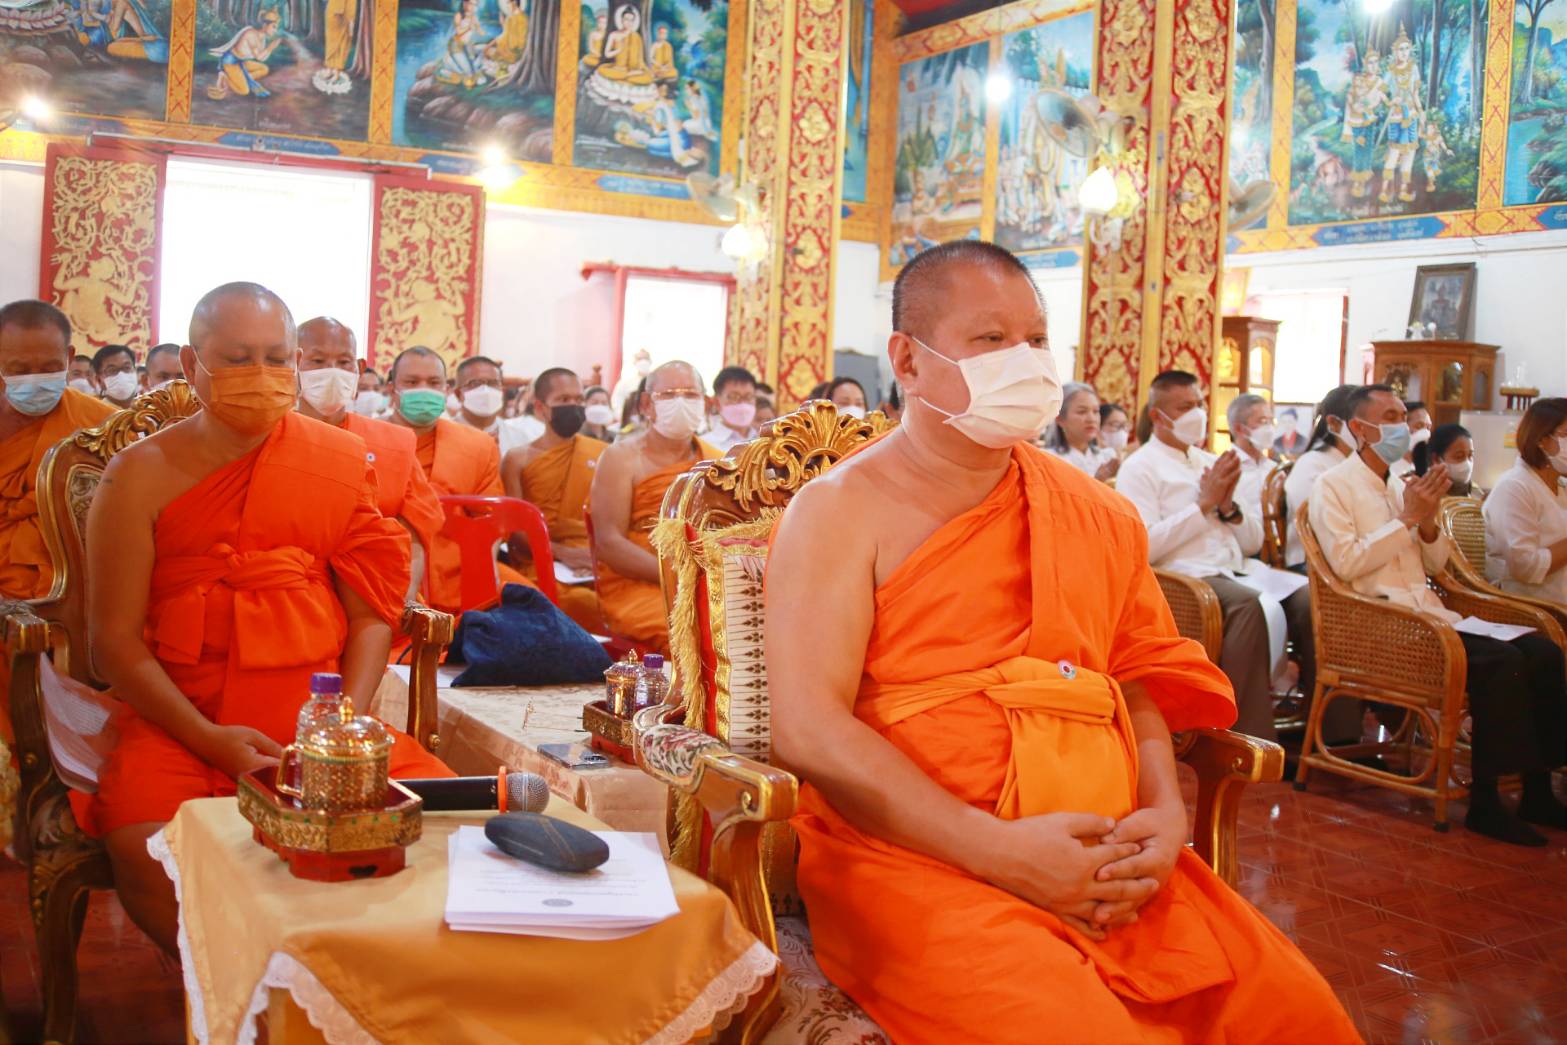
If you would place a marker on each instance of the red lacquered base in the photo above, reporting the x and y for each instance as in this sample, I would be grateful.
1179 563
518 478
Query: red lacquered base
331 847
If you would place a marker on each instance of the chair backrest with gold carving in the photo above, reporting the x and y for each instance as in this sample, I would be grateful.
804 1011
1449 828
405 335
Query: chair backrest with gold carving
712 542
68 479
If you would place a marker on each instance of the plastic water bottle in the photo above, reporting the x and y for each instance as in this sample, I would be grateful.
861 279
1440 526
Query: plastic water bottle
326 700
650 683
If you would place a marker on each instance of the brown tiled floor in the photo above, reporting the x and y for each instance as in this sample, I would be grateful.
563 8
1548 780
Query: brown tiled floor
1425 936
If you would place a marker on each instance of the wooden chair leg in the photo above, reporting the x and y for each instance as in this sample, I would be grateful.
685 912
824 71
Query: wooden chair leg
1309 742
59 911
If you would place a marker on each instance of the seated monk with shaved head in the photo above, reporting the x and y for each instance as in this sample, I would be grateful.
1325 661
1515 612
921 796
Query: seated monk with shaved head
555 473
328 386
230 557
628 490
975 675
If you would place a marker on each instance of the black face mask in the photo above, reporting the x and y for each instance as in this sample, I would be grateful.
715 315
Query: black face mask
567 421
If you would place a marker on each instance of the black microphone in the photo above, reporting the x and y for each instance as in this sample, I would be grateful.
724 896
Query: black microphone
508 792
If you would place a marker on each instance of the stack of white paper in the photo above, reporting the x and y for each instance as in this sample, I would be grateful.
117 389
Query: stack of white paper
566 575
1490 629
488 891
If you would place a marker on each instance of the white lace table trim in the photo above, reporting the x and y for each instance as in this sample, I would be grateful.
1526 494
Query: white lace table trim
326 1014
721 999
158 848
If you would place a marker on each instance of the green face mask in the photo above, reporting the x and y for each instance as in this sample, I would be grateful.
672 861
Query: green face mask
421 406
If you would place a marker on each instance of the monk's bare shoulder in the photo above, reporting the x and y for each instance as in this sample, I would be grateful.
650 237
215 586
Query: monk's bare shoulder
151 472
838 504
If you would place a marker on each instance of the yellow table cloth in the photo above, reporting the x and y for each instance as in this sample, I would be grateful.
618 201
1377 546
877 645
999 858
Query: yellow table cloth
483 727
373 960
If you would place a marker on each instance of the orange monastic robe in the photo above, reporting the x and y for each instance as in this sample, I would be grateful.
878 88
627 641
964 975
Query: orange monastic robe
25 568
963 674
557 482
635 609
459 460
402 491
242 608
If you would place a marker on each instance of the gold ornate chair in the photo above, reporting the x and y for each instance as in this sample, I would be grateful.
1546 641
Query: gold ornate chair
1463 521
731 808
62 862
1373 649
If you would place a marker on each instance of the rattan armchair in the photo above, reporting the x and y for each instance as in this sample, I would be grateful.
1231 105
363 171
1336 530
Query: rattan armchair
1373 649
731 808
1462 519
63 863
1275 534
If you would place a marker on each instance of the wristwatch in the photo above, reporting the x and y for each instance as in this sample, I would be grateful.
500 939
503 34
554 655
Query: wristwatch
1235 515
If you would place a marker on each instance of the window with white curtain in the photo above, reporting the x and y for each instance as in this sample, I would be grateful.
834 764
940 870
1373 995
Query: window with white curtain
1308 355
305 234
676 318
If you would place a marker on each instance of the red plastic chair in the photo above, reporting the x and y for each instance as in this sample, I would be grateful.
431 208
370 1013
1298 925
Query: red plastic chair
476 524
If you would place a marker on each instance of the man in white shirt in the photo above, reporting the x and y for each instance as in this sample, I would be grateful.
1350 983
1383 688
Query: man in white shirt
1419 432
1194 505
481 394
1252 432
734 389
1382 540
1330 444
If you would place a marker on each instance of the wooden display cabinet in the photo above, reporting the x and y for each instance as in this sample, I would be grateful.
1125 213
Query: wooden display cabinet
1244 364
1448 376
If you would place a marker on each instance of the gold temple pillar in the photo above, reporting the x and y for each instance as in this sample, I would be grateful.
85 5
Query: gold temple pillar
793 154
1151 302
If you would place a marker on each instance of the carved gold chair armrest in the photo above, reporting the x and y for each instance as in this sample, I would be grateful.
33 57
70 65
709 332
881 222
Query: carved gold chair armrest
1225 762
429 633
740 796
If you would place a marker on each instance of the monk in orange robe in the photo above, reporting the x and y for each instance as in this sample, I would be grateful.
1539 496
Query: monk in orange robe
555 473
633 475
230 557
36 412
328 383
457 459
975 675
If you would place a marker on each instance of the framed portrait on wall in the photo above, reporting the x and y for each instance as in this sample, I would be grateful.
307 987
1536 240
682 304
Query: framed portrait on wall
1443 301
1293 423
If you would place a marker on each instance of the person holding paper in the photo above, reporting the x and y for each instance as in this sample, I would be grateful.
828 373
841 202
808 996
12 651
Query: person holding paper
1204 520
1382 539
555 473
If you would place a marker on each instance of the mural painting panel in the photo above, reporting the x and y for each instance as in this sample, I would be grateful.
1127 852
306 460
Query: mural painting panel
650 86
1537 123
477 73
1251 100
857 87
287 66
1387 109
939 161
94 57
1036 179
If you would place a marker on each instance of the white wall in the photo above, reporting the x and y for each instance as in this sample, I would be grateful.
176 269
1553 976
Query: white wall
21 229
1520 294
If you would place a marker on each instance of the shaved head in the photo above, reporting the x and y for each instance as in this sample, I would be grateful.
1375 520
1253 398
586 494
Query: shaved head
235 299
926 284
674 374
546 381
416 352
326 332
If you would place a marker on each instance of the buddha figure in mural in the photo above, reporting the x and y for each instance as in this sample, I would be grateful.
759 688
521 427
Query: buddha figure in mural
595 51
663 57
506 50
624 76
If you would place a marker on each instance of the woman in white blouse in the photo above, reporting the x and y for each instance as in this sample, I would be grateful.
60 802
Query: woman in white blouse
1526 514
1075 435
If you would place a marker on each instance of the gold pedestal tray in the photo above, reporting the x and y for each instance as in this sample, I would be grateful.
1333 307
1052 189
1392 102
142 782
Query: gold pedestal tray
609 731
331 847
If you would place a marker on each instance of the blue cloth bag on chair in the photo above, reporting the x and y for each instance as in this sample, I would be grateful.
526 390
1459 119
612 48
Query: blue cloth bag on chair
525 641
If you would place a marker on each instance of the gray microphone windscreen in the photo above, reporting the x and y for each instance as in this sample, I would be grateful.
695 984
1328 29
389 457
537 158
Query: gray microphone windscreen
526 792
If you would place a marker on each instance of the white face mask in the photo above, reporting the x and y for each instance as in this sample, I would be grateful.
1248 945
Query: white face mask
82 385
678 418
453 404
121 386
1558 460
600 414
369 403
1013 394
1191 427
856 412
1114 440
1261 438
329 389
1460 471
644 367
1419 436
1343 433
484 401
